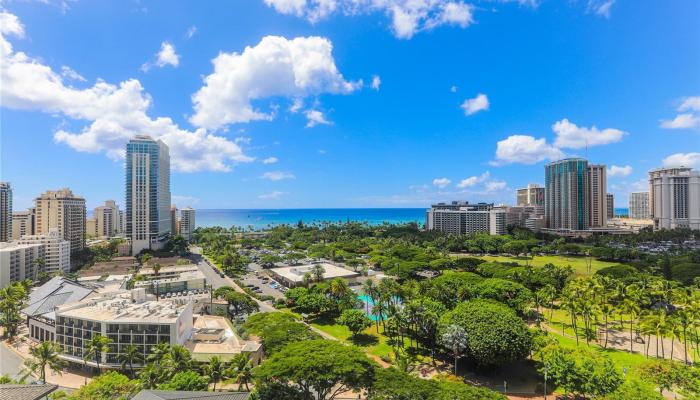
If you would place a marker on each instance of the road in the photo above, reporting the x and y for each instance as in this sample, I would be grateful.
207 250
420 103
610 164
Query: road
216 281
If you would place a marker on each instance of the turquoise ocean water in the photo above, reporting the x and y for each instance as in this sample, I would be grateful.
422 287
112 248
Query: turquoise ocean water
261 219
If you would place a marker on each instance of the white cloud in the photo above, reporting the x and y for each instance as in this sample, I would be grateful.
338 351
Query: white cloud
165 56
601 7
407 16
682 159
478 103
274 67
184 200
495 186
271 196
270 160
453 89
690 103
574 137
68 72
689 117
441 182
524 149
191 31
115 113
682 121
297 105
376 82
473 180
315 117
615 170
277 175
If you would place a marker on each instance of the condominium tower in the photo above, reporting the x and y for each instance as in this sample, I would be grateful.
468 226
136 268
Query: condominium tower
65 212
674 198
610 204
597 200
19 262
187 224
56 251
148 223
23 223
567 194
639 205
107 222
532 195
173 220
5 212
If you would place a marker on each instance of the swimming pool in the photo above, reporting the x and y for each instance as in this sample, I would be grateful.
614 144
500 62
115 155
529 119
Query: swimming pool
368 305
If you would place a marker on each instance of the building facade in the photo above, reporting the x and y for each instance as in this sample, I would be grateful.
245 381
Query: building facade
19 262
23 223
639 205
5 211
597 200
674 198
610 204
65 212
174 226
148 222
461 218
56 252
187 223
107 222
532 195
567 194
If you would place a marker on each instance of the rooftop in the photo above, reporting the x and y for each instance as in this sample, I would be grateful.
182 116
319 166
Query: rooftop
121 307
183 395
26 392
214 335
296 274
55 292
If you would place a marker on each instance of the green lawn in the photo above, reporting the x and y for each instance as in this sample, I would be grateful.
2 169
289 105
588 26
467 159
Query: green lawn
578 263
371 340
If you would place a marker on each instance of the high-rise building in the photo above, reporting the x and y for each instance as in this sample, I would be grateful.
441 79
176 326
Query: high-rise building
173 220
61 210
610 204
462 218
56 252
91 228
23 223
148 223
19 262
107 222
674 198
5 211
597 202
567 194
532 195
187 224
639 205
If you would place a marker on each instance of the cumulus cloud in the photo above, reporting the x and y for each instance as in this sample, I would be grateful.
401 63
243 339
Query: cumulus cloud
165 56
69 73
568 135
473 180
277 175
623 171
274 67
524 149
478 103
407 17
270 160
495 186
297 105
315 117
115 112
682 159
376 82
441 182
271 196
688 117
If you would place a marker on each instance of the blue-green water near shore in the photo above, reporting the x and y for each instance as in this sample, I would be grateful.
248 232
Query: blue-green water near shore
261 219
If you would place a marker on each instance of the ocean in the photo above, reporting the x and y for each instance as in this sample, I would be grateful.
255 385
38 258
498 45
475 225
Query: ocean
260 219
621 212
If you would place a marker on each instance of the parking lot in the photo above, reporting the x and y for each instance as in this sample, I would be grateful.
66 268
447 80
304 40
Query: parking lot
265 285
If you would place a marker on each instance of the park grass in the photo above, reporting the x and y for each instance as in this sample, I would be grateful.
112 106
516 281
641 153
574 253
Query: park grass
577 263
370 340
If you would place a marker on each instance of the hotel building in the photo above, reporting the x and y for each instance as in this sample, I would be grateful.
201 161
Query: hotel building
5 212
19 262
148 222
639 205
567 194
174 226
107 223
610 204
674 198
62 210
187 223
597 200
56 253
532 195
23 223
461 218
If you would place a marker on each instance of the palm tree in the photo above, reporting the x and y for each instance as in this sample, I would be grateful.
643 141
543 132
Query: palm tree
455 338
631 308
150 376
216 370
130 355
95 347
178 359
158 352
241 371
317 271
45 355
606 309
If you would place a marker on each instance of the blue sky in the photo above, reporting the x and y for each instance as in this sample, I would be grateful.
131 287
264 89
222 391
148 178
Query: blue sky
289 104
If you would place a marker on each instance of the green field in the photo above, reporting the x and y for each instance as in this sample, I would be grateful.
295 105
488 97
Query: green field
578 263
370 339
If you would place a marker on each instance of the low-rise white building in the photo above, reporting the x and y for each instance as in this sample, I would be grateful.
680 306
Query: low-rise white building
20 261
294 276
57 252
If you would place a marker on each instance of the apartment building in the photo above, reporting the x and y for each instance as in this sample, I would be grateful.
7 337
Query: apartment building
56 252
107 222
62 210
187 223
597 196
5 211
174 226
19 262
23 223
567 194
532 195
674 198
639 205
610 206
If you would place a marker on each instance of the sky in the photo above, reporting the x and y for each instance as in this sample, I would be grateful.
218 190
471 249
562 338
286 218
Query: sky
345 103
